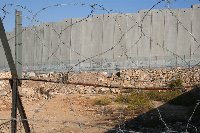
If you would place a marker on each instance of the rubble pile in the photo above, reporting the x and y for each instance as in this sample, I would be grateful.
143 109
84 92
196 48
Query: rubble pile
97 82
160 77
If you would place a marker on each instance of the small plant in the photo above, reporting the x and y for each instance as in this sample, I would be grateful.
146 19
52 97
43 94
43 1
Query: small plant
139 102
103 101
142 100
177 83
121 98
135 101
163 96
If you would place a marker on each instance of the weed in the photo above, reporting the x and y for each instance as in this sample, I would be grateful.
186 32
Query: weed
142 101
163 96
177 83
103 101
121 98
135 101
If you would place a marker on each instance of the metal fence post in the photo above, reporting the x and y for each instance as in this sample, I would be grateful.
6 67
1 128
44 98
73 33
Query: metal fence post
18 64
18 43
14 84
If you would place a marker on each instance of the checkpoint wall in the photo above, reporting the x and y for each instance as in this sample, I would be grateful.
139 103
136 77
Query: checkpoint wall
169 38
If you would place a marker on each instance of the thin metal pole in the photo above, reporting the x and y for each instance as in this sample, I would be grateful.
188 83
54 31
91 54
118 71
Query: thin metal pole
16 101
18 43
14 105
18 63
23 115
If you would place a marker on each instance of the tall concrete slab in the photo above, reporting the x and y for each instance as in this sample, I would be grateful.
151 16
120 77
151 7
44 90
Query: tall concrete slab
51 46
11 41
3 60
65 47
157 38
184 38
77 37
86 49
144 47
55 43
28 37
195 46
24 47
46 45
38 45
171 33
120 51
97 40
108 38
56 47
2 56
133 38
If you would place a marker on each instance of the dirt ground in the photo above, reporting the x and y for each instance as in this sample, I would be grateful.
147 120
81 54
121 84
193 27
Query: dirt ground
76 113
72 113
62 108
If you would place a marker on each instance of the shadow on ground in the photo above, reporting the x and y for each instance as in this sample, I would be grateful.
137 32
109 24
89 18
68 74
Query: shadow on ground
178 115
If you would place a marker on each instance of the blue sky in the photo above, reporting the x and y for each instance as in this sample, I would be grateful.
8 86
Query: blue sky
73 8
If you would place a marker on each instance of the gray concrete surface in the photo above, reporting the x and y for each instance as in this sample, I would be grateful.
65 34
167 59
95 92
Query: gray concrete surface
163 38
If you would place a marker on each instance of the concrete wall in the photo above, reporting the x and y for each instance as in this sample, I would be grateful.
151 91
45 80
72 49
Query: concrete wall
156 38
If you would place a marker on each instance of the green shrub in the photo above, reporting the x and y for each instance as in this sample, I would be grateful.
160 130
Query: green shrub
121 98
177 83
135 101
102 101
163 96
142 100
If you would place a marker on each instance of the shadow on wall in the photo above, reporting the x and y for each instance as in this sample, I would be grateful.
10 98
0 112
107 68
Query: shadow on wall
177 115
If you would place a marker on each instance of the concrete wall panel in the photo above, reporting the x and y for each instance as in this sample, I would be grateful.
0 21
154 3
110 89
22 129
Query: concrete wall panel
77 37
184 37
97 36
11 41
55 42
195 45
2 56
86 49
38 45
133 37
144 47
46 45
171 33
28 47
65 47
157 38
120 51
108 37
